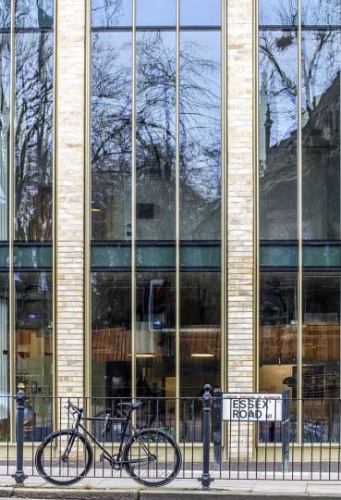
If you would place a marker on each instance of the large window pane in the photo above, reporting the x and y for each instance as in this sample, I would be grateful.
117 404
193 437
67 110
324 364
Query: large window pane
34 346
321 134
321 352
321 12
200 13
5 15
4 131
278 135
155 13
200 136
4 355
33 136
278 343
111 136
4 207
321 219
200 344
111 13
34 14
278 12
278 326
155 136
155 335
111 334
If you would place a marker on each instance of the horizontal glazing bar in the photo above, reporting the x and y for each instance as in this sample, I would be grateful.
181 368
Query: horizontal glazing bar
4 255
33 256
316 254
155 28
156 255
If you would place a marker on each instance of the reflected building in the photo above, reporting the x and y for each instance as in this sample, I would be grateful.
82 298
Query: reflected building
299 210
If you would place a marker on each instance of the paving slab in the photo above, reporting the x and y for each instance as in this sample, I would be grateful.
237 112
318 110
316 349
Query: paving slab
332 490
124 488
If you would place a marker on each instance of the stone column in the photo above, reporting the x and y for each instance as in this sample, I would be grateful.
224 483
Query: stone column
69 220
240 219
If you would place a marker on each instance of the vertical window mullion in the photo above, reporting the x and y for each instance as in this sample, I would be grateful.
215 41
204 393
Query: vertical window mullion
133 207
299 217
177 223
12 359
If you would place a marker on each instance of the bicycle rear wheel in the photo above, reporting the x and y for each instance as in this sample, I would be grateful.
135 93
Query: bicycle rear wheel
152 457
64 457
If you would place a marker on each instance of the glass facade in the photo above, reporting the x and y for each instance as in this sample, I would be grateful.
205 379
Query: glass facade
299 205
26 149
155 197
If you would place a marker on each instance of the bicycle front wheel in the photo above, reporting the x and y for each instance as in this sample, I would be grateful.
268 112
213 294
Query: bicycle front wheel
152 457
64 457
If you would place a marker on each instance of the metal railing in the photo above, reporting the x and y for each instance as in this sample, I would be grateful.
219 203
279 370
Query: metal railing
304 445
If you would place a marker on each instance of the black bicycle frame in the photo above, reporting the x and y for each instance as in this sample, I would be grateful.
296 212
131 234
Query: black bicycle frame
126 418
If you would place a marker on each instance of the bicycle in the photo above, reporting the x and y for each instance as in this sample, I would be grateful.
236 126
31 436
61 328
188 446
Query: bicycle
150 456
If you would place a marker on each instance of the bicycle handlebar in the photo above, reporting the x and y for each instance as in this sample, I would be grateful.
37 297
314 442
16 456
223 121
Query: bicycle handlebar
73 408
124 405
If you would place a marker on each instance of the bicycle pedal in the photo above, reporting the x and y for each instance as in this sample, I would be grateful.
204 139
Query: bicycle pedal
101 457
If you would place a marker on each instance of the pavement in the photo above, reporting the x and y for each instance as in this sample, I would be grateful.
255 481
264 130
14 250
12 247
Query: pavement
122 488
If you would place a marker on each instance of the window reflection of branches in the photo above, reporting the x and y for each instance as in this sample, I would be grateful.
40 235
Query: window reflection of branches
155 131
33 136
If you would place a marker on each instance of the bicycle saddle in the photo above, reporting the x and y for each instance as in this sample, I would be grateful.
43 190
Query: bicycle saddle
133 406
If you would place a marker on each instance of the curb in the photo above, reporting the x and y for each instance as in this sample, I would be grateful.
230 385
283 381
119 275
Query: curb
68 494
117 494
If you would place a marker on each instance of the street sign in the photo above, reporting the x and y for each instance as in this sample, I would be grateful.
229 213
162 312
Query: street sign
252 407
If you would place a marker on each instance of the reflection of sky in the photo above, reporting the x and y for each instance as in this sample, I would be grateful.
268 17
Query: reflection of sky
276 11
200 12
314 12
156 12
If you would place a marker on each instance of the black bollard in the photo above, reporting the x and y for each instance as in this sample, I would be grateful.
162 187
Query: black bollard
206 429
20 398
217 427
285 429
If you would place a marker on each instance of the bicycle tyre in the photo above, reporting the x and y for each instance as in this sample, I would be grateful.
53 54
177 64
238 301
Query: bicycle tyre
53 468
158 445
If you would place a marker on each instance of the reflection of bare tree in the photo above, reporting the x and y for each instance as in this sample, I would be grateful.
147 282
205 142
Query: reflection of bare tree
106 12
155 122
5 14
33 136
33 118
4 114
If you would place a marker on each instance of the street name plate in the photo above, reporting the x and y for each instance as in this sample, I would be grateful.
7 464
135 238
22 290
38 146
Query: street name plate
252 407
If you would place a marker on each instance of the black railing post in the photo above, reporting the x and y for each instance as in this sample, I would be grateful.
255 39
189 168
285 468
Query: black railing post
217 426
20 398
285 429
206 429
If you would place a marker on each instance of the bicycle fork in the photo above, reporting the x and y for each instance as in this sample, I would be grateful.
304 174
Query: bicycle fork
65 456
